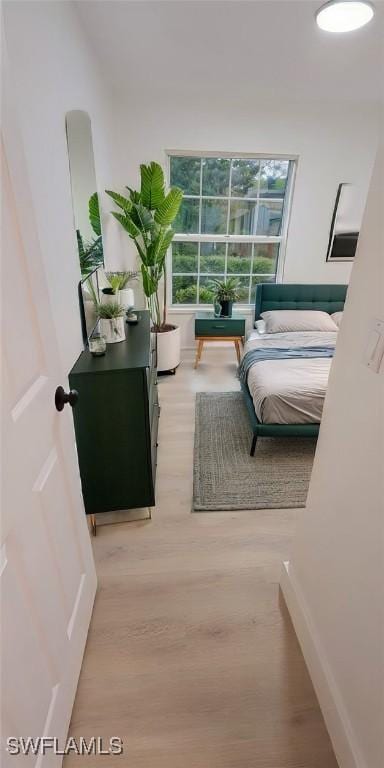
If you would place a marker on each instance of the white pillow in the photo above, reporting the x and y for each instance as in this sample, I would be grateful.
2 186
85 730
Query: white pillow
337 318
287 320
260 326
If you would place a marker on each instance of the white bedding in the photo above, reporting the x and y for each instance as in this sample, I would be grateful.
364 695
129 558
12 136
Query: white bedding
289 391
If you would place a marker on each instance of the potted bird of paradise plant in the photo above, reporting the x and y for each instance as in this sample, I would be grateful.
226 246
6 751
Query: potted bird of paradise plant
147 215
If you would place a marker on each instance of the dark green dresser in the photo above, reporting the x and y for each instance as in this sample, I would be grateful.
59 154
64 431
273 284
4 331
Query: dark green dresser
116 421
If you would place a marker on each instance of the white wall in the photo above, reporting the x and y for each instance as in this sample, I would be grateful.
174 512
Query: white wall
55 72
333 145
335 588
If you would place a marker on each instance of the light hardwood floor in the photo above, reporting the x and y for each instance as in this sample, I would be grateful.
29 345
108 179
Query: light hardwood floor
191 657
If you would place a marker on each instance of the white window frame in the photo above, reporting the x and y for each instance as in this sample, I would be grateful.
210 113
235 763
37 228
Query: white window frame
206 238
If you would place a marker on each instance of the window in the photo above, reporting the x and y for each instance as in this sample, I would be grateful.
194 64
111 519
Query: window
230 223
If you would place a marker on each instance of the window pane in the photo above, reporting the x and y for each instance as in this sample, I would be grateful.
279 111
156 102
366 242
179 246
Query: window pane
273 178
265 258
185 173
184 257
184 289
243 290
241 197
206 291
239 257
212 257
187 220
243 218
214 217
245 178
260 279
216 176
269 218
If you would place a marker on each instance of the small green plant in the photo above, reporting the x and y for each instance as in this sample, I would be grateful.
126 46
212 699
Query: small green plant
119 280
114 281
110 311
226 290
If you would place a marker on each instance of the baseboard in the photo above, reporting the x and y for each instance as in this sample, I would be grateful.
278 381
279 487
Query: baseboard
212 345
331 704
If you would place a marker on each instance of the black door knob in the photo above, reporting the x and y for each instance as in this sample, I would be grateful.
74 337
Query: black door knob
62 398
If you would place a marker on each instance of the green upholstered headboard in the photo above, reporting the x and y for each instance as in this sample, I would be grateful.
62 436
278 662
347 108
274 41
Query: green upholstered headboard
328 298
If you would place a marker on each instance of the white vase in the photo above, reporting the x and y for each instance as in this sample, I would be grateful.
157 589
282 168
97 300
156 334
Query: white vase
110 298
168 349
113 329
127 298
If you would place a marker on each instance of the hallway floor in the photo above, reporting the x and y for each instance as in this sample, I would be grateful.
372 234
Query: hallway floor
191 657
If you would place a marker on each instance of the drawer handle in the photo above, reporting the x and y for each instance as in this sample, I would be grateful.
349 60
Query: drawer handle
217 326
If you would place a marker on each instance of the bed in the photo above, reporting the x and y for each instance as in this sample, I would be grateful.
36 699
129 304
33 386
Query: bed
284 397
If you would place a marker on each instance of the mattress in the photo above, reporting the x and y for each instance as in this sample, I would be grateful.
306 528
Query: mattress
289 391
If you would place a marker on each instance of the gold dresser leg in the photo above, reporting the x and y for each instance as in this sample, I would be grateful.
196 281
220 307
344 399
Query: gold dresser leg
197 354
199 351
93 524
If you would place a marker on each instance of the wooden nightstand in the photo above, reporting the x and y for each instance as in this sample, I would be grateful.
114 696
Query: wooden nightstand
211 328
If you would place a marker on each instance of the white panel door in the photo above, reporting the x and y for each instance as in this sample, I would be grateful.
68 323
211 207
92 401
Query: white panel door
48 579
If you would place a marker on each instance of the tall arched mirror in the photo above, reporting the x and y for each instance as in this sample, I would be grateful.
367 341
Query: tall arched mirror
86 213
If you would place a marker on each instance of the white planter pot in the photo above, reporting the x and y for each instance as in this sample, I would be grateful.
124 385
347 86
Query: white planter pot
168 350
113 329
110 298
127 298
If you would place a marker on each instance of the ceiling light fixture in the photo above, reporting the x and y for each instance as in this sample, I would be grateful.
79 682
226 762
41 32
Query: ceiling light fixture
344 15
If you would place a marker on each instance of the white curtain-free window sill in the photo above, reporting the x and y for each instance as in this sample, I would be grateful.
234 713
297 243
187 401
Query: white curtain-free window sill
190 308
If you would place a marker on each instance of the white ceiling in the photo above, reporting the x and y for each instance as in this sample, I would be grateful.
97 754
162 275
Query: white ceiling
233 49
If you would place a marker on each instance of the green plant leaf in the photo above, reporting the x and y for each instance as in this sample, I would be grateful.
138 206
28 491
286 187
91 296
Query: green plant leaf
90 253
168 210
165 243
80 245
134 195
94 213
127 223
142 251
110 310
152 185
151 254
114 281
225 290
119 280
142 217
120 200
150 283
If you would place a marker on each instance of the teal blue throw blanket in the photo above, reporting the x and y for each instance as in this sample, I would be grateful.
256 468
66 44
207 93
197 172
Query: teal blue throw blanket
279 353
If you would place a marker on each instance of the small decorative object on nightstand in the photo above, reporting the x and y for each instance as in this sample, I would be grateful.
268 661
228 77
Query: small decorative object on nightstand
131 317
211 328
